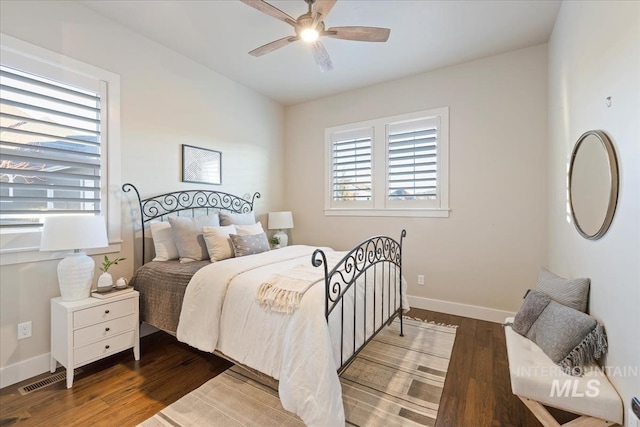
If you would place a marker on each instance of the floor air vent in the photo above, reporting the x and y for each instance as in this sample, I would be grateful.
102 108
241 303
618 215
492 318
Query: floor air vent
52 379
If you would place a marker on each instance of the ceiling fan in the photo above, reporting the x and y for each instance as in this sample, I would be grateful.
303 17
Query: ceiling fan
310 26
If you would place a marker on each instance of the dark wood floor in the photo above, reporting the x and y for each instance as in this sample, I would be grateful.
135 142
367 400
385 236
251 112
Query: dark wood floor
120 391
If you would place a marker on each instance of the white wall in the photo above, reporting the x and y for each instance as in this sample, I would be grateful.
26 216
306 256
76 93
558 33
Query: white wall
594 53
487 253
166 100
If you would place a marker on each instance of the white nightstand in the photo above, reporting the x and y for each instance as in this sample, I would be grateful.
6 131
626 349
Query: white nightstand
87 330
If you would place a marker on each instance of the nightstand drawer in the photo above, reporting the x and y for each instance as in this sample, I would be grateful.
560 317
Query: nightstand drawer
93 315
85 336
103 348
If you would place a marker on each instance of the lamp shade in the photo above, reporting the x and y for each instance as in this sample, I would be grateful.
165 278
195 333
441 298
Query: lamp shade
71 232
280 220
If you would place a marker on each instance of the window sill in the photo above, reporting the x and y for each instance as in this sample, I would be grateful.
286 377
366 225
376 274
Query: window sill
25 255
410 213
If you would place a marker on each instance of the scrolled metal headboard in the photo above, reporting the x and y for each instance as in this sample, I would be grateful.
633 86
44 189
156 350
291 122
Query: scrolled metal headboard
163 205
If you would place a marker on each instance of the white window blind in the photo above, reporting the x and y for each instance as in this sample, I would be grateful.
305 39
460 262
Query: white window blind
50 148
351 159
412 160
391 166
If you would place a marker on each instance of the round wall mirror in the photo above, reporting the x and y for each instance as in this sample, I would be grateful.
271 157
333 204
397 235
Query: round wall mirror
593 184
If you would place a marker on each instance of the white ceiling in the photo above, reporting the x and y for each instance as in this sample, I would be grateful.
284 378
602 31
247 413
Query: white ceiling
425 35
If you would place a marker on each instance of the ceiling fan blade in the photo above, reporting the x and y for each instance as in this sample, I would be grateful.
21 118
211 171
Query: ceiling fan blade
321 56
362 34
321 9
270 10
270 47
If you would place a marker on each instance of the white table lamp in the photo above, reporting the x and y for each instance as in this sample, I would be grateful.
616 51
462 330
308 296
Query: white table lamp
281 221
74 232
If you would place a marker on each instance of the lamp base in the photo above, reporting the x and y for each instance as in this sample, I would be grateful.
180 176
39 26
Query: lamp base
282 236
75 276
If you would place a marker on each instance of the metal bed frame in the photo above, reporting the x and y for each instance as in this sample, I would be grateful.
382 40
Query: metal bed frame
373 258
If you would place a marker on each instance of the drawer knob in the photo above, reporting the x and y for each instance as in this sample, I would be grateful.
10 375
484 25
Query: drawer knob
106 312
107 329
106 347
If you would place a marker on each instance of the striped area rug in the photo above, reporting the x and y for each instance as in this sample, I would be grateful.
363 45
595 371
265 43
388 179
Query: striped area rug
394 381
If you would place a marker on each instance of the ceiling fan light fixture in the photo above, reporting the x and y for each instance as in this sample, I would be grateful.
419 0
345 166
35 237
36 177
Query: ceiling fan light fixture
310 27
309 35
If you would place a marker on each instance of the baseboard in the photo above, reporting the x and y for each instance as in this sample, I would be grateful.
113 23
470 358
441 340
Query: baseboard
465 310
21 371
30 368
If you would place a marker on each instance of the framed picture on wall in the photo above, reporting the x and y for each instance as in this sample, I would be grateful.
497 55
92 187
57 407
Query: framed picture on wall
201 165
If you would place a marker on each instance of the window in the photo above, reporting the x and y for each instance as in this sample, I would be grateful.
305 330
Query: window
351 153
394 166
58 128
50 142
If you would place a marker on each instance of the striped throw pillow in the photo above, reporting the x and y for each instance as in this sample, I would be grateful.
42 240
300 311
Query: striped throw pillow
573 293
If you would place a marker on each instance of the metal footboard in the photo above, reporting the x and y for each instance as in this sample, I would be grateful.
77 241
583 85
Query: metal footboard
364 291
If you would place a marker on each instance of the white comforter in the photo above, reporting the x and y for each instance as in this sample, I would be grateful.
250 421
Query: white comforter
220 312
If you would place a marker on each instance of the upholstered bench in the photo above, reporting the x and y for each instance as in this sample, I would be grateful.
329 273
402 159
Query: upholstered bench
537 381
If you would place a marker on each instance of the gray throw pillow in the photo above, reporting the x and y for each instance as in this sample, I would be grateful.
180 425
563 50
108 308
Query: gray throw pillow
249 245
573 293
187 233
571 339
229 218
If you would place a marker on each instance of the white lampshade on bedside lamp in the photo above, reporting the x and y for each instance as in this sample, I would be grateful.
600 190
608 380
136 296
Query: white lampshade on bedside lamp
74 232
281 221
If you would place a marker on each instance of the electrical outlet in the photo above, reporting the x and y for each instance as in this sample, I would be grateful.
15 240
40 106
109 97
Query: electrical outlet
24 330
421 279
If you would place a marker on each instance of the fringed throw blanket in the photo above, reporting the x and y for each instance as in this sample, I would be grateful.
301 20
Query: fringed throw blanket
282 292
571 339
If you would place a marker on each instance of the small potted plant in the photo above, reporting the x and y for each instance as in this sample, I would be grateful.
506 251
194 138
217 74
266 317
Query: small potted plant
274 242
105 281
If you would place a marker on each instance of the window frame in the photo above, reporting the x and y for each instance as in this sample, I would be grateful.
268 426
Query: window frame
380 205
19 245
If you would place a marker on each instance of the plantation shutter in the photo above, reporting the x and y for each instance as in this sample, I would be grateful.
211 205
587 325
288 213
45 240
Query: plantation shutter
50 152
351 159
412 154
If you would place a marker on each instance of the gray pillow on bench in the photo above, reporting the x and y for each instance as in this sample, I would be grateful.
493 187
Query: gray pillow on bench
571 339
573 293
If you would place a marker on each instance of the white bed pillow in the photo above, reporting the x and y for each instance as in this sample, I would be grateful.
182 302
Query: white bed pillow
218 242
249 230
187 233
163 242
230 218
